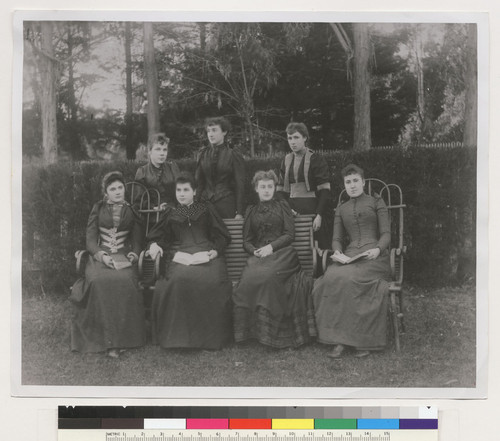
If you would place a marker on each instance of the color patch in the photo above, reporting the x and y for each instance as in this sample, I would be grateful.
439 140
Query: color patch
429 412
335 423
377 424
293 424
122 423
250 424
79 423
165 423
207 423
418 424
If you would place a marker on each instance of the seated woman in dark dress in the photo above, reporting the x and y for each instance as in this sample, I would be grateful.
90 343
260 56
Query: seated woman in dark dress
350 300
220 172
271 300
158 173
192 303
109 313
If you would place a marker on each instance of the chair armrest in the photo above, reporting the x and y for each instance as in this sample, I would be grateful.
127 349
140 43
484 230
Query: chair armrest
81 259
157 267
149 269
315 254
396 261
140 264
326 255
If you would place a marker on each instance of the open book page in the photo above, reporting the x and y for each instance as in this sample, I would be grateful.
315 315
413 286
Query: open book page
342 258
120 261
191 259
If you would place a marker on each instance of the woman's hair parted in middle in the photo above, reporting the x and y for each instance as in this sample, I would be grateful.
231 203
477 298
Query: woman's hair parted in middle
186 178
158 138
297 127
352 169
111 177
220 121
262 175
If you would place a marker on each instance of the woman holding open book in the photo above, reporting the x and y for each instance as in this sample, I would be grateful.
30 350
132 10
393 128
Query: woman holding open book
271 301
191 304
350 299
108 311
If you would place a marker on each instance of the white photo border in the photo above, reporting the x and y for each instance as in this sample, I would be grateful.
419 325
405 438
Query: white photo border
480 391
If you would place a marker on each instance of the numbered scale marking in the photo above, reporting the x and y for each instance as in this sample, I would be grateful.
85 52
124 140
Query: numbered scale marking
246 435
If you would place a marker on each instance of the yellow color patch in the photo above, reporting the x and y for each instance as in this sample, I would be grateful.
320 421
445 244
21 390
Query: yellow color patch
293 424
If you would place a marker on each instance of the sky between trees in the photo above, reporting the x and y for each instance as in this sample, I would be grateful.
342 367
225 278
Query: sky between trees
89 88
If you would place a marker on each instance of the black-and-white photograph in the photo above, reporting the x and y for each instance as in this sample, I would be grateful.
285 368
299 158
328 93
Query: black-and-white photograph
281 205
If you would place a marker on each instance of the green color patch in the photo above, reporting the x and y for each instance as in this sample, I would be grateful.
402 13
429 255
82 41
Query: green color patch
335 424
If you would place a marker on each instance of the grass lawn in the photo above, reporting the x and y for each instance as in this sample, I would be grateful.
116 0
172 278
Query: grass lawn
438 350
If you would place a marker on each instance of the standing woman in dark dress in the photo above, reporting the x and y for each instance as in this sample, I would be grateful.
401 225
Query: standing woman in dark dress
350 300
220 172
159 172
192 303
305 180
109 315
271 301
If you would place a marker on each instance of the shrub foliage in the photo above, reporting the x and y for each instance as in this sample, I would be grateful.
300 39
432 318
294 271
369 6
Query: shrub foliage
439 187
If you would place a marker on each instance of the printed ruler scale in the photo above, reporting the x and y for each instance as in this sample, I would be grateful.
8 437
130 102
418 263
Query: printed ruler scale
87 423
261 435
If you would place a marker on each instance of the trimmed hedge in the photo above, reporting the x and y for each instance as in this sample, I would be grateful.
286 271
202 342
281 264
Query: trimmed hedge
439 187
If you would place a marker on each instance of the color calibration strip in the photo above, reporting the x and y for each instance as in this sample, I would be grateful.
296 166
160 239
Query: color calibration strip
232 418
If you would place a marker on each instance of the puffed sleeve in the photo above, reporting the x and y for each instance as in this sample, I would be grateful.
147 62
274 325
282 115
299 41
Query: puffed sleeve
320 175
249 237
219 233
239 180
288 227
92 233
384 226
139 175
338 231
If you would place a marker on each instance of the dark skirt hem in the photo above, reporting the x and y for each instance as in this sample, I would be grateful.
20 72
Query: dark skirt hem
285 333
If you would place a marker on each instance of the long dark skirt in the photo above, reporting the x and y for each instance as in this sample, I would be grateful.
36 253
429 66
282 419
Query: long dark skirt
350 303
191 306
308 206
272 301
111 312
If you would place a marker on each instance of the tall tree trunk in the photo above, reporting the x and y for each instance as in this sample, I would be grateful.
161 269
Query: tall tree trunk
203 36
74 138
419 67
151 81
71 79
129 130
362 124
251 135
470 129
48 94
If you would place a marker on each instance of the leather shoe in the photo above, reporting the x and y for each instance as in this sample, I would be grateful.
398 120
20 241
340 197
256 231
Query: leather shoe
337 351
361 354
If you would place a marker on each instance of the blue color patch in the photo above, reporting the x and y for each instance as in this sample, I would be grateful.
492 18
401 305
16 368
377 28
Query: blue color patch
365 423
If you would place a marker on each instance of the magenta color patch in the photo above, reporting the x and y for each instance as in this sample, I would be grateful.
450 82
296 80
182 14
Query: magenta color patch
207 423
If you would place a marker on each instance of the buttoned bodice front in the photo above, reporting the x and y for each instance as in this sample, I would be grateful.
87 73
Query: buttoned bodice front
365 222
191 229
113 229
269 222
